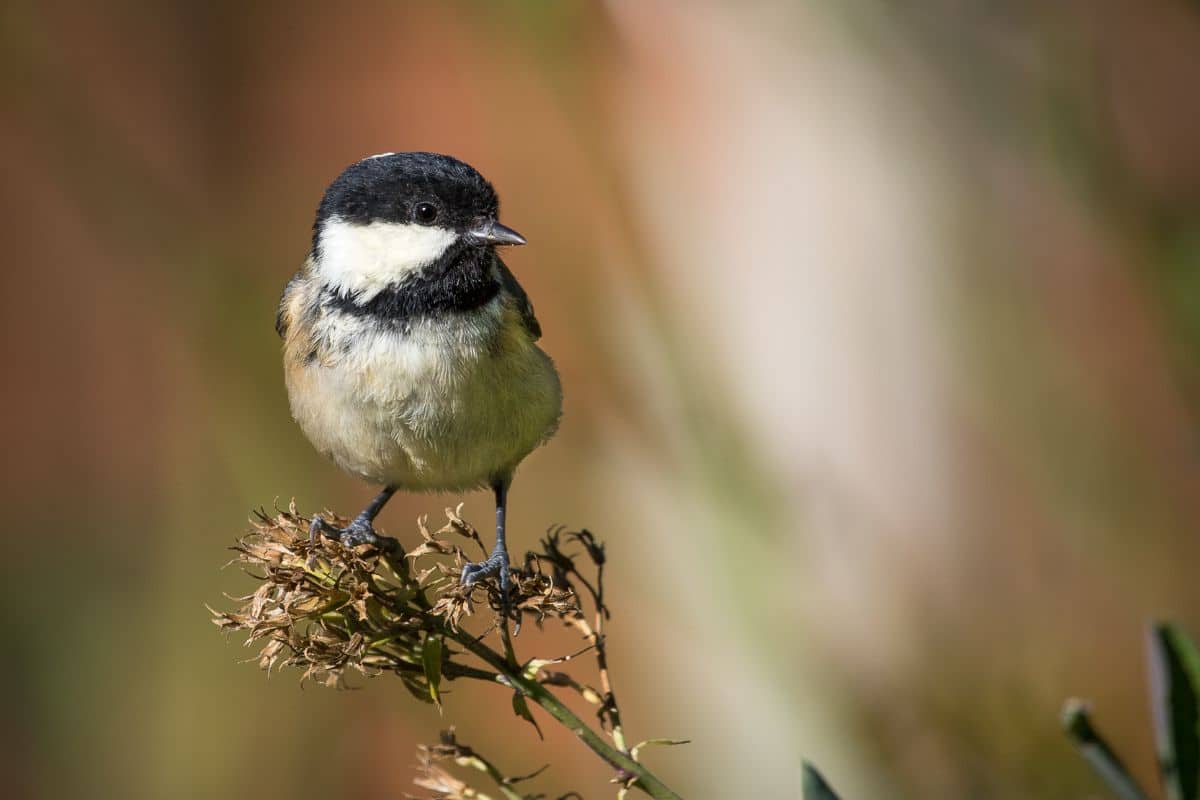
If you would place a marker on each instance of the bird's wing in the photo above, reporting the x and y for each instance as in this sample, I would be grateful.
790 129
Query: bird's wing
283 315
524 307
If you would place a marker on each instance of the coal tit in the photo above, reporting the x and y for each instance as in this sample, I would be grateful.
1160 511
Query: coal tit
409 347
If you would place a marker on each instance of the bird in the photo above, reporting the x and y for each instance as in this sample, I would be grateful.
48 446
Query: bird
410 349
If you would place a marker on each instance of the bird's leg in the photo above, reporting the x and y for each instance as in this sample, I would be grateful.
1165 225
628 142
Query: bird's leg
497 562
360 530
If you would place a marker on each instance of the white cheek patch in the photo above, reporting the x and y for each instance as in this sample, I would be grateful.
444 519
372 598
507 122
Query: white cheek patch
366 259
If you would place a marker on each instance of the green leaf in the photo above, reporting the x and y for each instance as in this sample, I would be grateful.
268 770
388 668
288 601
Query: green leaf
814 785
521 709
431 660
416 687
1095 750
1174 693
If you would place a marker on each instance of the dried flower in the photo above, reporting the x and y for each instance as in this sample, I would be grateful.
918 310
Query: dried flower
328 609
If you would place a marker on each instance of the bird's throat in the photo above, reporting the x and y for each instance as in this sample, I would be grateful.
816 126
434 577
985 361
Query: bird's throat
462 280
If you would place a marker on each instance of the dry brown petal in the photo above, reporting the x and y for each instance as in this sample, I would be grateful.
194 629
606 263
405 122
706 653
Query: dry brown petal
320 605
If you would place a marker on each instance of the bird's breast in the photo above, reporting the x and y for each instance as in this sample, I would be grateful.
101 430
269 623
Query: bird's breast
441 403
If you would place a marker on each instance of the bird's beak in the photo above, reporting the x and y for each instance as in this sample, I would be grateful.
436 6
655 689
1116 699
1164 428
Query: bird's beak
489 231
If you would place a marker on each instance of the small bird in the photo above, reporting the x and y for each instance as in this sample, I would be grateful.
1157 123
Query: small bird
409 347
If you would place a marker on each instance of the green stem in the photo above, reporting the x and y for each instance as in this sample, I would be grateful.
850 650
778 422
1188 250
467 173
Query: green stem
493 773
643 778
450 669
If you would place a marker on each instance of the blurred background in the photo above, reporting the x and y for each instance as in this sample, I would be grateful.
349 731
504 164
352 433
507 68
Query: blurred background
877 324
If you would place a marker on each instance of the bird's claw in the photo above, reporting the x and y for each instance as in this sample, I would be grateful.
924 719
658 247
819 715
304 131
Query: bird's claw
496 564
359 531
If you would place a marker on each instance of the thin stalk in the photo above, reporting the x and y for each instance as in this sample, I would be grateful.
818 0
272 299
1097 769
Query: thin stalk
493 773
642 777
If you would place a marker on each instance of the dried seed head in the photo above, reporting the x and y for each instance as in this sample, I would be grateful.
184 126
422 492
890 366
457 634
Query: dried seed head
326 608
433 776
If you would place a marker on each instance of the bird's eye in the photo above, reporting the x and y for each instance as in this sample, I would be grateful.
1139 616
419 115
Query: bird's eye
425 213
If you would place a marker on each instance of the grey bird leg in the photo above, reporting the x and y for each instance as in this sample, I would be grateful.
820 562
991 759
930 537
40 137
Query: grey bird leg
360 530
497 562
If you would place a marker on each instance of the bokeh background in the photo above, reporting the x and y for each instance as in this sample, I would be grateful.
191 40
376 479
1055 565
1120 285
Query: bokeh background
878 326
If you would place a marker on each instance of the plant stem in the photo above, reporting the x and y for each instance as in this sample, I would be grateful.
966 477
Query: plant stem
1099 755
642 777
486 766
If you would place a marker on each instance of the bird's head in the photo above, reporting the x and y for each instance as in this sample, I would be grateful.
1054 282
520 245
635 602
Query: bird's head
394 214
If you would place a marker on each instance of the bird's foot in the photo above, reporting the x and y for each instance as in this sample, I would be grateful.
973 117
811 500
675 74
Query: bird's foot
496 564
359 531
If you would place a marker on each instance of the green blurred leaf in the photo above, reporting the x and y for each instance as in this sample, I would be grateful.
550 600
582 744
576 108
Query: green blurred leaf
431 660
1095 750
815 787
521 709
1174 692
